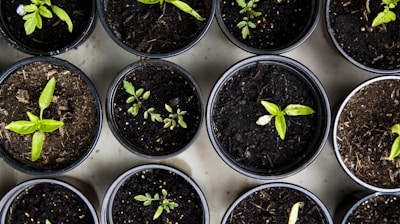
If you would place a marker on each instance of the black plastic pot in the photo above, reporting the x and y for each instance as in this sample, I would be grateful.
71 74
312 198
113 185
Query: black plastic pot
294 41
341 144
108 201
102 7
28 168
268 209
14 40
81 190
117 109
223 137
369 48
360 207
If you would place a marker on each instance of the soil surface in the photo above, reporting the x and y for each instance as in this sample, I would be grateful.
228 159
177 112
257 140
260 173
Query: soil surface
272 205
48 201
73 103
259 148
155 29
381 209
127 210
364 133
279 25
166 86
377 47
54 34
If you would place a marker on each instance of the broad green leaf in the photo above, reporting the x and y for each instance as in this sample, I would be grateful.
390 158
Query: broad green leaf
36 2
37 145
47 94
43 11
22 127
139 92
241 3
156 197
241 24
186 8
164 192
256 14
264 120
396 129
250 4
168 108
146 95
251 24
32 117
63 15
147 203
48 125
158 212
156 117
395 151
140 198
280 125
182 123
245 32
30 8
294 212
149 1
130 99
47 2
32 21
271 107
297 109
173 205
384 17
129 88
47 221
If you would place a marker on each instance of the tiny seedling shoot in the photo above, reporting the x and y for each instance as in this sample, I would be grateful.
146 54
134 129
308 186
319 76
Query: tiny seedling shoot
280 122
33 13
294 212
395 151
248 9
47 221
164 203
138 96
38 125
179 4
387 15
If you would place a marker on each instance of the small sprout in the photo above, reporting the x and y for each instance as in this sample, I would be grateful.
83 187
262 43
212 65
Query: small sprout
386 15
47 221
179 4
294 212
38 125
249 10
395 151
164 203
33 13
280 122
174 119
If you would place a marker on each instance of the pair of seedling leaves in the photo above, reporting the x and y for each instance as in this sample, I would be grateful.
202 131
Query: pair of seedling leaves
174 119
33 13
165 204
179 4
37 125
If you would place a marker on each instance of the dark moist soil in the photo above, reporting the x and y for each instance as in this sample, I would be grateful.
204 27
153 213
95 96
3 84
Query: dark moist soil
73 103
377 47
272 205
54 34
279 25
259 148
48 201
167 86
364 133
127 210
155 29
381 209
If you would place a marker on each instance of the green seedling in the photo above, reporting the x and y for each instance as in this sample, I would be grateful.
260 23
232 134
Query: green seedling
294 212
33 13
179 4
174 119
386 15
165 204
47 221
248 9
280 122
395 151
38 125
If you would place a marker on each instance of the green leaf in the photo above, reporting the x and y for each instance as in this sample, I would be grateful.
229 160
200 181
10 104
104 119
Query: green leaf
384 17
172 205
37 145
30 8
256 14
156 117
48 125
32 117
63 16
245 32
36 2
130 99
146 95
186 8
396 129
47 94
182 123
32 21
294 212
271 107
147 203
149 1
47 2
241 3
395 151
241 24
280 125
156 196
251 24
43 11
297 109
129 87
158 212
139 92
22 127
47 221
168 108
140 198
264 120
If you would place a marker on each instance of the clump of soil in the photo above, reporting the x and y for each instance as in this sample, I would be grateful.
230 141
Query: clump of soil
364 135
73 103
